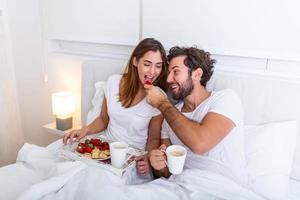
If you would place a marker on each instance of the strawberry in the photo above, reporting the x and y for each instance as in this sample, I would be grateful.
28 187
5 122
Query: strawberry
80 149
88 149
81 144
105 146
148 82
95 141
101 147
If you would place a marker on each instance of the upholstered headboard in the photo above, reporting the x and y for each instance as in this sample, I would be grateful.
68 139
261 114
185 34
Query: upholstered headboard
93 71
265 98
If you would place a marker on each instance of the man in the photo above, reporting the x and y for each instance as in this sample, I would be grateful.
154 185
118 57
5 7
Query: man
208 123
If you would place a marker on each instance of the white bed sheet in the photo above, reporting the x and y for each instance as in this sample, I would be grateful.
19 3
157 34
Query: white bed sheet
15 179
18 177
294 193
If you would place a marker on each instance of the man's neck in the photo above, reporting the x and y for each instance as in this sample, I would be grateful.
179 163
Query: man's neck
198 95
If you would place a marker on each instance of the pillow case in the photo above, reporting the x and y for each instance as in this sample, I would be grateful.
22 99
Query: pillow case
269 156
96 102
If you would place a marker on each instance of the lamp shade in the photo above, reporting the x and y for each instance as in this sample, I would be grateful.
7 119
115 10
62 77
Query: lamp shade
63 103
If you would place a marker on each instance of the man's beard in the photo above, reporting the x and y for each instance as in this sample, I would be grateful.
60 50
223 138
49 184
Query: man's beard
184 90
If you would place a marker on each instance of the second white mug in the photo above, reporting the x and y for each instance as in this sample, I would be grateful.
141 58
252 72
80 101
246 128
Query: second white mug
176 155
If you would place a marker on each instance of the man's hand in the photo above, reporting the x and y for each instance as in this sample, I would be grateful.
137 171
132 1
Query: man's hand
155 95
142 165
158 158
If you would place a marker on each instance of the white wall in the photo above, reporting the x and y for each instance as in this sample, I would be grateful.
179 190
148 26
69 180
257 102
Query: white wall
255 36
11 136
101 21
253 28
34 94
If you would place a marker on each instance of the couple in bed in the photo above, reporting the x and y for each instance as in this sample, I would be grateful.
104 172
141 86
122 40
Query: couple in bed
136 110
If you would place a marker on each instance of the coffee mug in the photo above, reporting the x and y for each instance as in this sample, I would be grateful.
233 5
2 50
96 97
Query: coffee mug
118 152
176 155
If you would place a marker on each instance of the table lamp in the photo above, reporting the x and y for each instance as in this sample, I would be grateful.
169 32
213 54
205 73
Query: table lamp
63 106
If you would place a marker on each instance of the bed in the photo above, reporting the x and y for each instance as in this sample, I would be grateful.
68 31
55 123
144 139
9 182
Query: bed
271 110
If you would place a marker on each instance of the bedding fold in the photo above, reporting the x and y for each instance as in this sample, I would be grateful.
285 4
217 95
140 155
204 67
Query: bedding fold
62 179
53 171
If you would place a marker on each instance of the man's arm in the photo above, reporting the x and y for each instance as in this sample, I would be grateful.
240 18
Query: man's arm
199 137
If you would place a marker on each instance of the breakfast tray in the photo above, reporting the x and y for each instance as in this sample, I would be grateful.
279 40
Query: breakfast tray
69 152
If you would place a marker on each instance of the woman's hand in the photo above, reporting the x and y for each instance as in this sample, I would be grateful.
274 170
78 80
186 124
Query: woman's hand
75 134
142 165
158 158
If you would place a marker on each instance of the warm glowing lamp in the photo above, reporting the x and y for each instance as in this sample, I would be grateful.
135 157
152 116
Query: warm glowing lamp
63 106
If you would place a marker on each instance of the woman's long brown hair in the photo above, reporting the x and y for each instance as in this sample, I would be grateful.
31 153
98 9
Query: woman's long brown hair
130 79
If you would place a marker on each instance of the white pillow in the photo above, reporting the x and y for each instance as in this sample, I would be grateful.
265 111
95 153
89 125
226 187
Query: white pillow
269 155
96 102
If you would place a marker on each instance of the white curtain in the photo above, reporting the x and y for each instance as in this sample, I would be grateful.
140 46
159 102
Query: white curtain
11 137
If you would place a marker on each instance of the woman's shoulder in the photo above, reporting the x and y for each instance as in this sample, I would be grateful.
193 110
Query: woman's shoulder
112 84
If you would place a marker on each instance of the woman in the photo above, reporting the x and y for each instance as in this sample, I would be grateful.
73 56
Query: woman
125 114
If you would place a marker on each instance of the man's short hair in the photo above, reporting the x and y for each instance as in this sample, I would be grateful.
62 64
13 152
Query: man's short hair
195 58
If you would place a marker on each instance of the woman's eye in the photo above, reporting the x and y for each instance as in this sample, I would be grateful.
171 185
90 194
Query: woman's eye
147 65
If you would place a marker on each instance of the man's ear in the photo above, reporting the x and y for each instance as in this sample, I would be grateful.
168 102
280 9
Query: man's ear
135 62
197 74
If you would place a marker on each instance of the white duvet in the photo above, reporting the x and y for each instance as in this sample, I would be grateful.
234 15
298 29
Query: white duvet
61 179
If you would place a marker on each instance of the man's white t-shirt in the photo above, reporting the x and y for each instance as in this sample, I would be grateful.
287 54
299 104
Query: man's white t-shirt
228 156
131 124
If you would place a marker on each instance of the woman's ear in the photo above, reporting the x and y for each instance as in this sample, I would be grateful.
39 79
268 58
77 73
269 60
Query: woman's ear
197 74
135 62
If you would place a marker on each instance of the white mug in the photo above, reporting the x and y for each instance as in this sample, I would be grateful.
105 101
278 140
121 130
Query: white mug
118 152
176 155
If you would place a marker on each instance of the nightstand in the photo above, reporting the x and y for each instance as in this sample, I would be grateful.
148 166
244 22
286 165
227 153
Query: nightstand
51 128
